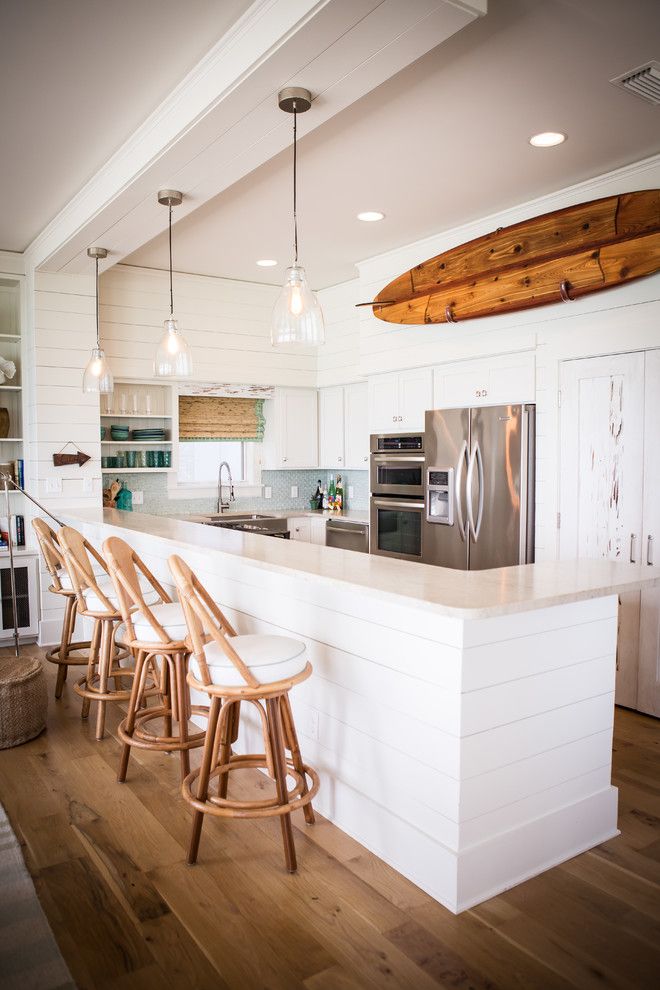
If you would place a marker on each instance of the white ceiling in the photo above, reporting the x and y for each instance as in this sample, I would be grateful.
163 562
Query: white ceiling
441 143
77 77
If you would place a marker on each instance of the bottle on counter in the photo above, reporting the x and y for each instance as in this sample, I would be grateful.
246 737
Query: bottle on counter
316 501
339 495
324 498
332 492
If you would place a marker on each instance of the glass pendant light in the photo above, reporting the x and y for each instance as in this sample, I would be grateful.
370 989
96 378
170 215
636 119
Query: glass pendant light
297 316
97 376
173 358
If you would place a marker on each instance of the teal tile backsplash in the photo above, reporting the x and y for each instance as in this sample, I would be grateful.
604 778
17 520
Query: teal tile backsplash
156 501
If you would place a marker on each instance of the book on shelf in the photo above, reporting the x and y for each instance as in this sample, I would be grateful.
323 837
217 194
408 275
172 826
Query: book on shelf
17 531
15 470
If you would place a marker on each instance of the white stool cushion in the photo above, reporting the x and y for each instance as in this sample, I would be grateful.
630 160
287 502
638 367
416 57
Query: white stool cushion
99 574
269 658
94 603
169 615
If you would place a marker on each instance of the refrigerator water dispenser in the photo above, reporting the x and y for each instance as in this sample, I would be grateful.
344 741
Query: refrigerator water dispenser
440 496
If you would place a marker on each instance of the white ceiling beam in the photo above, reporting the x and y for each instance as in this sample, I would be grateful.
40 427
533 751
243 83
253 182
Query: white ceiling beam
222 121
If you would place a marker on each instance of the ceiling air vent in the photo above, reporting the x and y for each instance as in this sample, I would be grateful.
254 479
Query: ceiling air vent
643 82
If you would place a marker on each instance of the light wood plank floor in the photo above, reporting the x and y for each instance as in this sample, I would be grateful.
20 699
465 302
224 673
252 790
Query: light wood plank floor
108 864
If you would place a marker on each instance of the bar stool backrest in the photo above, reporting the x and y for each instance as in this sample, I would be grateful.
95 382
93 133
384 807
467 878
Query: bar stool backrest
205 621
125 568
77 551
51 552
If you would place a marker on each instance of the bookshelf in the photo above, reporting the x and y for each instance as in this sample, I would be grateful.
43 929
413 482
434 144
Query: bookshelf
138 405
12 446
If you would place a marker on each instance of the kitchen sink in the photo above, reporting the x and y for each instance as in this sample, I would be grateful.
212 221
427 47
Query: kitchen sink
236 516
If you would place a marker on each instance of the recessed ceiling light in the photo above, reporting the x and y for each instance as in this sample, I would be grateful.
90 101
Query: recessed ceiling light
547 139
267 263
371 216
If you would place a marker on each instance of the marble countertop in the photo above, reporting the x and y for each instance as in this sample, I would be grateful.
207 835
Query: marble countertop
463 594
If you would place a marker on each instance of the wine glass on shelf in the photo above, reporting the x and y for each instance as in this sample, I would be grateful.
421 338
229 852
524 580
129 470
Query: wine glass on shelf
108 403
147 404
122 403
136 408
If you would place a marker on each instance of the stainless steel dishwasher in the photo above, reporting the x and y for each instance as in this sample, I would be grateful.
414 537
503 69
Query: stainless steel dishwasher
347 535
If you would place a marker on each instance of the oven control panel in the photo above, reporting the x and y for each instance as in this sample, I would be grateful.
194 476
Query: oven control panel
440 496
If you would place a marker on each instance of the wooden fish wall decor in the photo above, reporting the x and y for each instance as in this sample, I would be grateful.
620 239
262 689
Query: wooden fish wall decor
558 256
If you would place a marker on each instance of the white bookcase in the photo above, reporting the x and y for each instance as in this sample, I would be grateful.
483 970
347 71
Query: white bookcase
139 405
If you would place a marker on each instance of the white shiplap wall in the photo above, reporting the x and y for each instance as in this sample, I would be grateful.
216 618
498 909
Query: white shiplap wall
226 322
60 334
339 359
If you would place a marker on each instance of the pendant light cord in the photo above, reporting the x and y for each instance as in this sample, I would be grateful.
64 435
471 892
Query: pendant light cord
171 289
295 175
98 336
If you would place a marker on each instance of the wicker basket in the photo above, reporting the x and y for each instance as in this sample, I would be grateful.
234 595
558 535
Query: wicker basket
23 700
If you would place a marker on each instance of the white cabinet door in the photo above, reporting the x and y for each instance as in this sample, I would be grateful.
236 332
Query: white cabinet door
331 428
298 428
300 528
648 676
602 428
601 475
383 404
509 378
317 530
356 426
415 397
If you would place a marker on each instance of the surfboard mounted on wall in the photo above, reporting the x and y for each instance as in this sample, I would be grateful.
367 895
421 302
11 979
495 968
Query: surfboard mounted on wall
558 256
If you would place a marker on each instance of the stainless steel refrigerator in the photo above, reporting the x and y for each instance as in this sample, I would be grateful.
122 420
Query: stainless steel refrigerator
479 487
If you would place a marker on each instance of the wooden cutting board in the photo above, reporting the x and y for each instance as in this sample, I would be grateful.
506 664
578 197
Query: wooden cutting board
561 255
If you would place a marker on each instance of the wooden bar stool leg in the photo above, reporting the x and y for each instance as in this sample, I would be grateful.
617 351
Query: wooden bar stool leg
227 736
64 645
203 779
91 665
105 659
130 718
167 692
183 710
275 720
291 740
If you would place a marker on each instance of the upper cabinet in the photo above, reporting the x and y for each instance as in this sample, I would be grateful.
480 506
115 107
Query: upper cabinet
331 428
344 427
291 435
505 379
398 401
356 426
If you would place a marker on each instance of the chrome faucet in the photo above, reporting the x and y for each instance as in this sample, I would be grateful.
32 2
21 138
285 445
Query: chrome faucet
225 505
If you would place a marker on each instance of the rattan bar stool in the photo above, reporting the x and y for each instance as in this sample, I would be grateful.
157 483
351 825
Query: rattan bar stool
97 600
152 632
232 669
68 653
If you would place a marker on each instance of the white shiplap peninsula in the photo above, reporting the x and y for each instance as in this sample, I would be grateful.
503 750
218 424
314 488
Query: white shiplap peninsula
461 722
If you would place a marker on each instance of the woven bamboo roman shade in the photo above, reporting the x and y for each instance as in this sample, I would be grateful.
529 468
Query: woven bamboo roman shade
203 417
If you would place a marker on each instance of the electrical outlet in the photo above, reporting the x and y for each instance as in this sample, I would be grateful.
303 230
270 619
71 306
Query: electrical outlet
351 491
53 486
313 724
294 491
138 498
268 492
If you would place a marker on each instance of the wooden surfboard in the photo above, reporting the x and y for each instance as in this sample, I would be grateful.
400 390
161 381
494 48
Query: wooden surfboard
561 255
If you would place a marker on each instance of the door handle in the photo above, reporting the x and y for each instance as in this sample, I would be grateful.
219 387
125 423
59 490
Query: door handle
475 458
458 495
649 551
633 548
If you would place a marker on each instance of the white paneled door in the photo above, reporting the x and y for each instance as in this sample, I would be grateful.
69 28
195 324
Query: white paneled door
648 683
601 481
602 457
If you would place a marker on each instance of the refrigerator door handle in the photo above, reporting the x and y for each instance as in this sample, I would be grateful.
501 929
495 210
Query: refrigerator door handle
475 458
458 495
